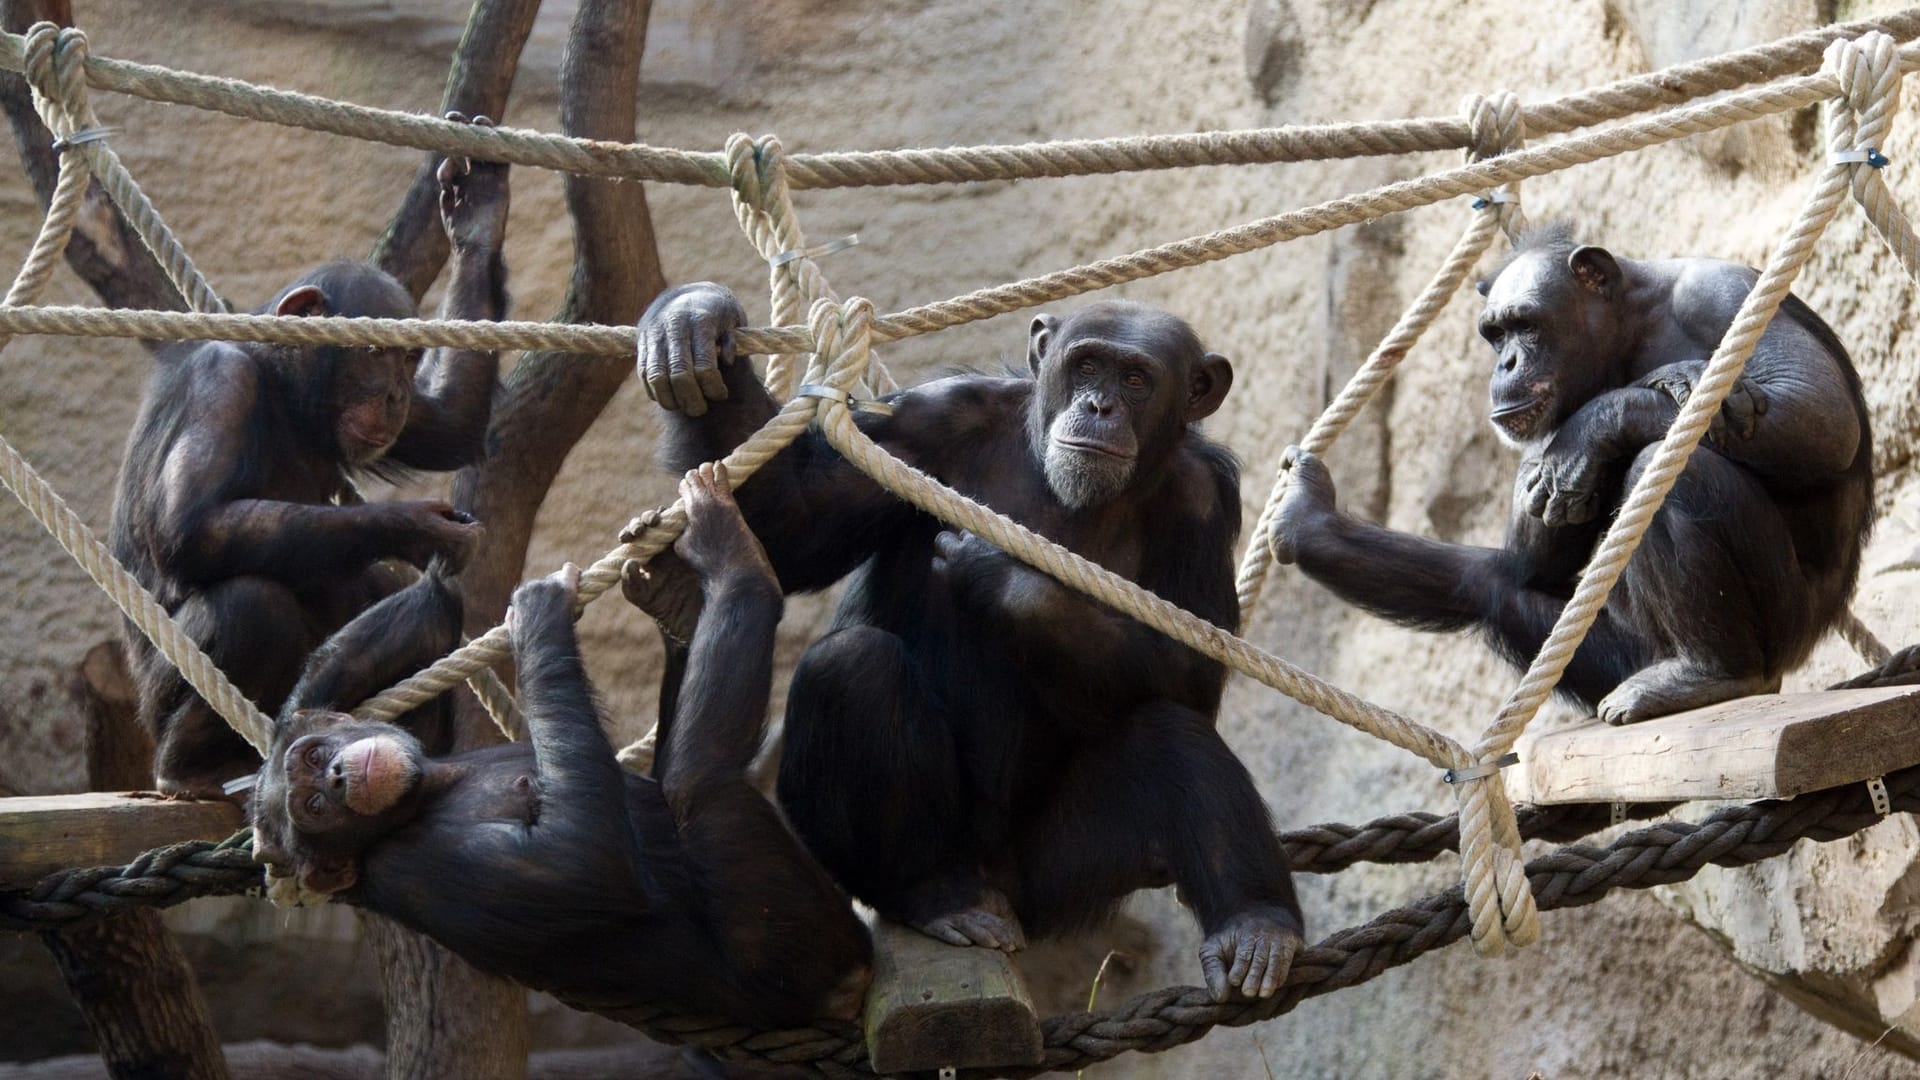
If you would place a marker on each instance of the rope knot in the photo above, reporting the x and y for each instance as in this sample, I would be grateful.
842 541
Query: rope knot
1868 71
1497 125
56 70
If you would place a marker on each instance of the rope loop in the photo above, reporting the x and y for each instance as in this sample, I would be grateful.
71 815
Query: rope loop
1496 125
1868 70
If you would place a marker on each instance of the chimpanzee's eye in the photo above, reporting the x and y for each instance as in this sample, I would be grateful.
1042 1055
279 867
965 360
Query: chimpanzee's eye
312 755
316 803
1135 380
1493 333
1519 326
1088 367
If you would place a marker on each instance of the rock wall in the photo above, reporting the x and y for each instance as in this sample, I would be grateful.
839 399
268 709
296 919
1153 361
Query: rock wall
1645 985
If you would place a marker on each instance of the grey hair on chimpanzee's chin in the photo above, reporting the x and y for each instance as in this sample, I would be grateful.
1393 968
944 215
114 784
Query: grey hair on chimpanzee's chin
1080 480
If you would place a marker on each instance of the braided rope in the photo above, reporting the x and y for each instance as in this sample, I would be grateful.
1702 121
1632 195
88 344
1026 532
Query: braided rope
586 157
1498 128
1571 876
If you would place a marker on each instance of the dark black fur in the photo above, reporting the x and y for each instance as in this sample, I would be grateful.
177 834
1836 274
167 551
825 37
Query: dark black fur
1754 554
970 727
547 863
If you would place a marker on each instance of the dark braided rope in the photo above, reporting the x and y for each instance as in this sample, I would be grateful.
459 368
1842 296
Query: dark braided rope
1571 876
180 872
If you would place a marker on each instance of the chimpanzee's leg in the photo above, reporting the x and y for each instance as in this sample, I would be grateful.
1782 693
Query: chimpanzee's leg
1162 797
1716 589
257 632
870 779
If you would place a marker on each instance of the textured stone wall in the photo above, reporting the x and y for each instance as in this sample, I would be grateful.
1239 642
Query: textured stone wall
1633 987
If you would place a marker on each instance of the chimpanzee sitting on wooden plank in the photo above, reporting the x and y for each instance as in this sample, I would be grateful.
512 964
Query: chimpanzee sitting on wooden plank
1750 560
546 862
977 750
236 505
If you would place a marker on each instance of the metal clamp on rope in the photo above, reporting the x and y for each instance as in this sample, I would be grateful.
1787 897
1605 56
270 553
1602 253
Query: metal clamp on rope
83 136
814 252
1870 157
867 405
1485 768
1495 198
1877 791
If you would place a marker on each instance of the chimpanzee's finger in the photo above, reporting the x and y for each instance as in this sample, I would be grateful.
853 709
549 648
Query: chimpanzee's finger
1214 972
686 388
706 368
660 360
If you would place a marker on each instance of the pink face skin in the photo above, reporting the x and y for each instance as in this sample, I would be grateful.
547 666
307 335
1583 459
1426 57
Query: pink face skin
333 773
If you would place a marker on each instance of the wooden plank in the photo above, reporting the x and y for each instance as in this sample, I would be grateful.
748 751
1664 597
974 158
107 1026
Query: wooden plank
43 833
1763 747
934 1005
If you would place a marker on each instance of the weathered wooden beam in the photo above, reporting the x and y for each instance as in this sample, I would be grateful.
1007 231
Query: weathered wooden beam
40 834
1771 746
935 1006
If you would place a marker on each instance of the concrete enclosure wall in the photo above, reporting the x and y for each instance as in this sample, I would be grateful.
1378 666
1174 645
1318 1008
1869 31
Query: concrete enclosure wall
1657 984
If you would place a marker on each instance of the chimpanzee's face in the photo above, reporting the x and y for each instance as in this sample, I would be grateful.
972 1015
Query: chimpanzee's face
1118 384
372 393
330 787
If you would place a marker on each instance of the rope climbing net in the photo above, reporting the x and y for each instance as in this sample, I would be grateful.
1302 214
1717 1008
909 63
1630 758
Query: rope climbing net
818 338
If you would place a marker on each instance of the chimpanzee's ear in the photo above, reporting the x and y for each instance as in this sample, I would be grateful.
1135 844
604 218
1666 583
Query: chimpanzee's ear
305 300
1595 270
1039 336
328 874
1483 285
1207 386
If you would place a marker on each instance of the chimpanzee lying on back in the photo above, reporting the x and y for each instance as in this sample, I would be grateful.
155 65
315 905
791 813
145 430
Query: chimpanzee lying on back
1751 559
547 862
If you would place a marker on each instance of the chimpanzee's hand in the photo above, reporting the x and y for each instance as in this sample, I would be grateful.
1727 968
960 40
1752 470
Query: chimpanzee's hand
1307 505
1249 956
1739 414
435 528
1562 485
534 599
686 338
973 568
473 198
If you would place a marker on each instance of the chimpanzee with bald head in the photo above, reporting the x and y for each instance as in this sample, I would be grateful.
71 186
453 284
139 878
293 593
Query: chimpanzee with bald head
546 862
237 506
1750 560
976 750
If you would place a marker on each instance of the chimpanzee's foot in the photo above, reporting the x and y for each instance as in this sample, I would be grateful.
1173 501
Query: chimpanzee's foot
1676 685
1250 954
717 542
846 998
988 923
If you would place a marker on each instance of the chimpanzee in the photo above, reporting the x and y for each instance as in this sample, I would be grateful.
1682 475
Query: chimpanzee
975 750
1750 560
236 504
546 862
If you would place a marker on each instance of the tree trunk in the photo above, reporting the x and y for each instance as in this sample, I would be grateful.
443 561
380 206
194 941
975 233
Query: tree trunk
104 251
127 973
443 1017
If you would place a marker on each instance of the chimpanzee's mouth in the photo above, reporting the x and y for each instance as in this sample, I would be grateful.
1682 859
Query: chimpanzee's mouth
1520 420
1093 448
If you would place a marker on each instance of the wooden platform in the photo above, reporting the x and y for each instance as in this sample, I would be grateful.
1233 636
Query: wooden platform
1764 747
44 833
935 1006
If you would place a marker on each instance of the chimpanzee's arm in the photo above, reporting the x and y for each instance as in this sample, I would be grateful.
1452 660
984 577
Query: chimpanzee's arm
382 645
817 515
453 392
721 705
206 533
1409 579
582 787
